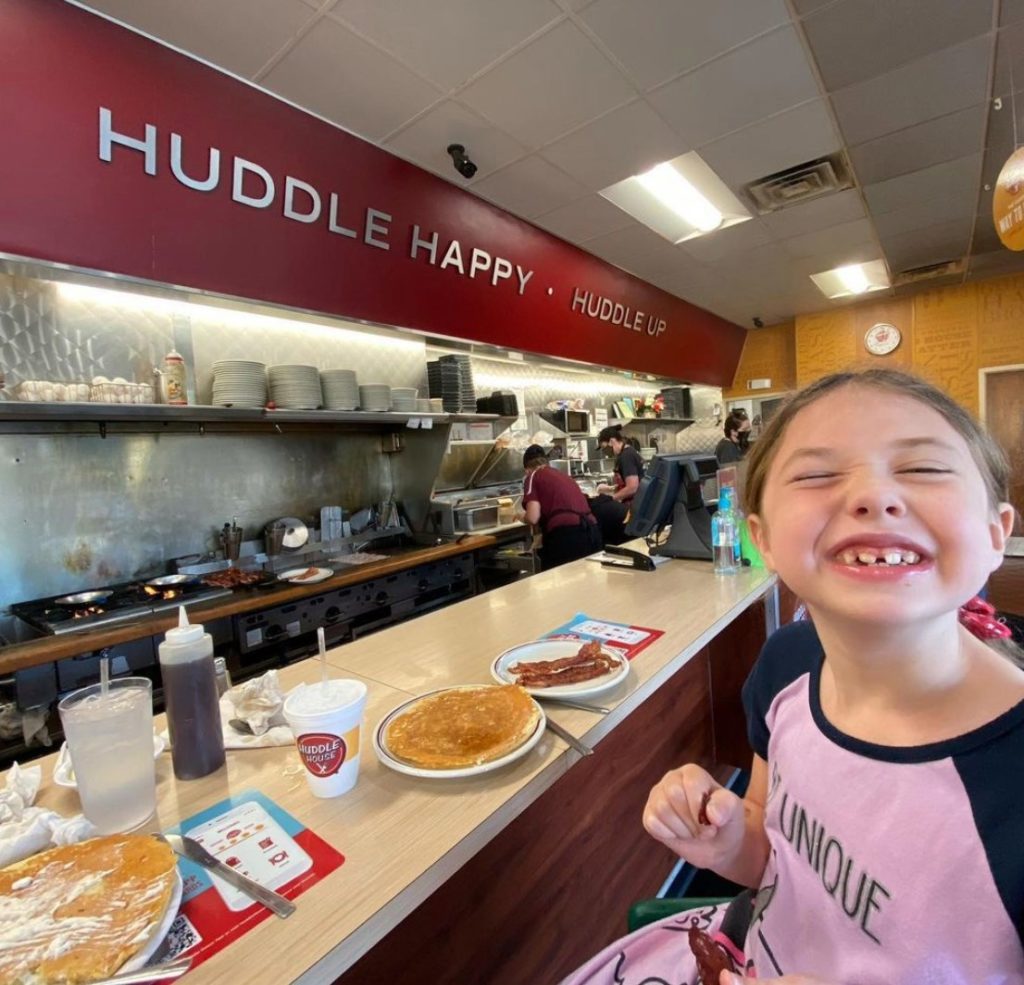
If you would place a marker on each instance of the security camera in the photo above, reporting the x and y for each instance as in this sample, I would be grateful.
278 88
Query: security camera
758 323
462 163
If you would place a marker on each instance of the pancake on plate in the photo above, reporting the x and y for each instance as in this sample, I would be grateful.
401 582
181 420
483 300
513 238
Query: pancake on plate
462 727
75 914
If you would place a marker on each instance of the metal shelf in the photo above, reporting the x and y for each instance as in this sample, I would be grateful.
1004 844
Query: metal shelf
15 412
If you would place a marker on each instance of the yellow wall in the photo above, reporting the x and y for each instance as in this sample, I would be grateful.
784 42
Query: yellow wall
948 335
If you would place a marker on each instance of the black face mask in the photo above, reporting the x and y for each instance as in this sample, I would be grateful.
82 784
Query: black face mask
743 439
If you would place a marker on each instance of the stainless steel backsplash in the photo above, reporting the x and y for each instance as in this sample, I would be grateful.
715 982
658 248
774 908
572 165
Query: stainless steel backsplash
83 511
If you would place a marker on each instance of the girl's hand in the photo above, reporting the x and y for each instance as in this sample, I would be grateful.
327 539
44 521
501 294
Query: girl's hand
672 817
728 978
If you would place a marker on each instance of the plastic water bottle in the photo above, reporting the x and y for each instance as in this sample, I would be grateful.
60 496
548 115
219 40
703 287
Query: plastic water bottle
725 534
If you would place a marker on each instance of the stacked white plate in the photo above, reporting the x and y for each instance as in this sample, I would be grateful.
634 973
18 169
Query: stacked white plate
375 396
295 387
341 391
403 399
239 383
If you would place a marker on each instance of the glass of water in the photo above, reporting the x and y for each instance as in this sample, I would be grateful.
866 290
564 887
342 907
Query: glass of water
110 740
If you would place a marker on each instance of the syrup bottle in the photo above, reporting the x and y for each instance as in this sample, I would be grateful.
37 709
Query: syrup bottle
193 705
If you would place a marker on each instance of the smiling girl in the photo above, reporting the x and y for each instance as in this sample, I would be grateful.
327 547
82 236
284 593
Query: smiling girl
881 833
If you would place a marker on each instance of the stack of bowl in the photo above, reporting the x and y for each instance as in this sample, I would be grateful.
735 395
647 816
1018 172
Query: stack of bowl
341 391
375 397
403 399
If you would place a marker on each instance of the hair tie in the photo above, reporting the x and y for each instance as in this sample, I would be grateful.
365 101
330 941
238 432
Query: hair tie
980 618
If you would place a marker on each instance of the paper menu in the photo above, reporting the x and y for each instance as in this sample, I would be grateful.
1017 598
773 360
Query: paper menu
619 637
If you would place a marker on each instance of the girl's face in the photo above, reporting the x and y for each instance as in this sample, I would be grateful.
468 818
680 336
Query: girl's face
875 510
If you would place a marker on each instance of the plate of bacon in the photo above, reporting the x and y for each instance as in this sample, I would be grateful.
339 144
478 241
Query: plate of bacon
561 668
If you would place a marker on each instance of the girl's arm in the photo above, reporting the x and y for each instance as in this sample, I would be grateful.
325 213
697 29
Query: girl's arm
733 842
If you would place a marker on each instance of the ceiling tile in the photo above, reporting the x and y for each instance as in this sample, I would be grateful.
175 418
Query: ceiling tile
933 244
425 142
340 76
935 85
629 140
1011 11
798 135
1000 139
640 251
942 139
584 219
530 187
832 241
945 208
805 7
859 39
211 30
1009 70
424 37
657 40
551 86
763 77
726 242
818 214
955 180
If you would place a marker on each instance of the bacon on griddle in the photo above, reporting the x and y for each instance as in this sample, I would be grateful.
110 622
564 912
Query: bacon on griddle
588 663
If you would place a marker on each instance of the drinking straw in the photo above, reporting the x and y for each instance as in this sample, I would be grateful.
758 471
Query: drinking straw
323 658
104 675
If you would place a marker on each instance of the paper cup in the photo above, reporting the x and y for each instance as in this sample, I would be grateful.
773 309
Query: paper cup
327 727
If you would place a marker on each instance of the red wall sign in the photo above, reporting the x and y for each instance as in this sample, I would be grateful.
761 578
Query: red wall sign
122 155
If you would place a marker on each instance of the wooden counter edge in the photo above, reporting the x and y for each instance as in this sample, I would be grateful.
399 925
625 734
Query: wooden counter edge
19 656
347 953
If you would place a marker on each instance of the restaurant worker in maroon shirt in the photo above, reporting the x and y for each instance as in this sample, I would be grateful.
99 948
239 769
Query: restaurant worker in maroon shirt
553 502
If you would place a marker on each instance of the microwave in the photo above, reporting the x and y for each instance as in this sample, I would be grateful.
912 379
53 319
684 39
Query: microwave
571 421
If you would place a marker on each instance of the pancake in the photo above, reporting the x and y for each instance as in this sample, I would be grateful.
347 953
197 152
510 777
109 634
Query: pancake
462 727
75 914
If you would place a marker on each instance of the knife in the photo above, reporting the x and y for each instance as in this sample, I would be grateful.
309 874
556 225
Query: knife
191 849
583 750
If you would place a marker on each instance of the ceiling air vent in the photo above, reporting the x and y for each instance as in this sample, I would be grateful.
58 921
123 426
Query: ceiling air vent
822 176
929 272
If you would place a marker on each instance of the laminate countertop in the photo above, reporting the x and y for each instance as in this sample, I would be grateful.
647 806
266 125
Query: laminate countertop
403 837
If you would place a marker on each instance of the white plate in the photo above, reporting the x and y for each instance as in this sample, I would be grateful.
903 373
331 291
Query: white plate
64 776
555 650
293 576
141 957
400 767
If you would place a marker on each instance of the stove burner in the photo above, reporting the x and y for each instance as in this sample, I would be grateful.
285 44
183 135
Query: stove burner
122 604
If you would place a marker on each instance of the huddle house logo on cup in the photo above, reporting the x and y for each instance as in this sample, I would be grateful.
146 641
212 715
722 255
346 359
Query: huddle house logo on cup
323 753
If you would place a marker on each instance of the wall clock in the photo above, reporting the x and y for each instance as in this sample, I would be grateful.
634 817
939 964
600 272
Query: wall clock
881 339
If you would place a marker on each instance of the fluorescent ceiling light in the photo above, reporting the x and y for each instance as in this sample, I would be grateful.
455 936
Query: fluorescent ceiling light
667 185
852 279
679 199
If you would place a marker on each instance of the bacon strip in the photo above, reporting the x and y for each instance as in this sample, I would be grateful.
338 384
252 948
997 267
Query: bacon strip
587 664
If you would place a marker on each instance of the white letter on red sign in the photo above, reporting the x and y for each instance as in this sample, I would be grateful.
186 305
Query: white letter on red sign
212 178
109 137
241 166
290 184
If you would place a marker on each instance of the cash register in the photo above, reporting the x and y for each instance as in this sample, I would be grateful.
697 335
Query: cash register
672 495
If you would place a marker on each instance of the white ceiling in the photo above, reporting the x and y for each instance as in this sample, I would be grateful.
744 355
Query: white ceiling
556 99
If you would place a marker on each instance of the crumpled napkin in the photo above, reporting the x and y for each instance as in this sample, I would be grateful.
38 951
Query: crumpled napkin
259 703
24 829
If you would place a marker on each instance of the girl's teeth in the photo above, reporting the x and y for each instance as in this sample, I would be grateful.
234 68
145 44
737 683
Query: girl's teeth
892 556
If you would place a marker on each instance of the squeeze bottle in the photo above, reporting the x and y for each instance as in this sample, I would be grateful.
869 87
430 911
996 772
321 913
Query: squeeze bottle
190 694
